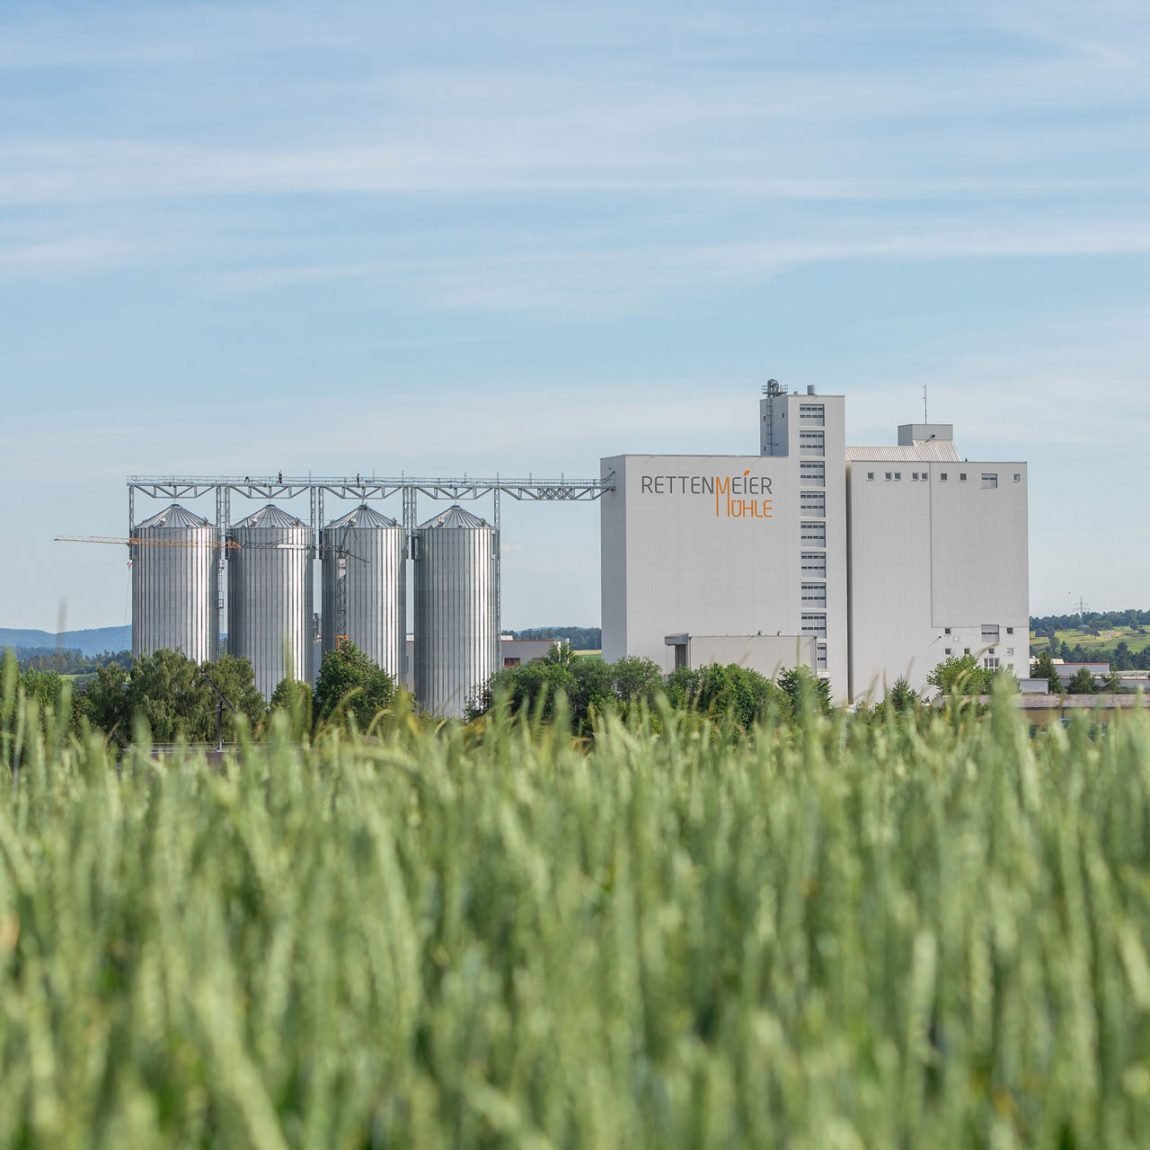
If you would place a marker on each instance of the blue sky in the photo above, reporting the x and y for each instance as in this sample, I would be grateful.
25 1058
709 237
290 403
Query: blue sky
448 237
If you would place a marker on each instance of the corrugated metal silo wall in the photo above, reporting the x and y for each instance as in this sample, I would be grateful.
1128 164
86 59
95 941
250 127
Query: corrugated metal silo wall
456 616
270 604
374 572
175 592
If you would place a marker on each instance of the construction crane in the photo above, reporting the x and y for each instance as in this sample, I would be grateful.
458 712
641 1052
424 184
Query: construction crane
227 544
343 553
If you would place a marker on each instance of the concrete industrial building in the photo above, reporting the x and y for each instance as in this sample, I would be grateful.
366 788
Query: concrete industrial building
884 560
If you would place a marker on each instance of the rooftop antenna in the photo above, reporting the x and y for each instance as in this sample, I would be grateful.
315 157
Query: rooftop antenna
925 417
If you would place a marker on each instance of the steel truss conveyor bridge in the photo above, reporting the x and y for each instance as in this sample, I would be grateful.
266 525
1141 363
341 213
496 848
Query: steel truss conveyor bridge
361 488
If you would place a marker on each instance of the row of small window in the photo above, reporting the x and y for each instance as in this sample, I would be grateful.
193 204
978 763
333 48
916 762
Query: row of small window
813 502
812 442
966 651
814 625
814 565
813 474
989 478
812 413
814 594
990 632
813 533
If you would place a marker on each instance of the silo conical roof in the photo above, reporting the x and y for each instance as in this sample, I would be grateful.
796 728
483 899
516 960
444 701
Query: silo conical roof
455 516
270 516
363 516
174 517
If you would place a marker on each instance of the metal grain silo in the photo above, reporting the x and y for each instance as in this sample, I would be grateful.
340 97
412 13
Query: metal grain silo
363 560
175 585
270 604
456 610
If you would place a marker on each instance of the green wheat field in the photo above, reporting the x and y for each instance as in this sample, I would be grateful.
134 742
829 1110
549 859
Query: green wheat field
926 931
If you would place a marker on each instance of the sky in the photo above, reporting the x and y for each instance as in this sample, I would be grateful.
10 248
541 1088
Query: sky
447 238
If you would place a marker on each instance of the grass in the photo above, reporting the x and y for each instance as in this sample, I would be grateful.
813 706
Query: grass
842 935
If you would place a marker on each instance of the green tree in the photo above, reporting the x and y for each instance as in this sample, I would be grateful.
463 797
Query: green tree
351 686
296 701
961 675
166 690
727 691
234 694
1045 668
590 686
103 702
805 690
1081 682
901 696
175 696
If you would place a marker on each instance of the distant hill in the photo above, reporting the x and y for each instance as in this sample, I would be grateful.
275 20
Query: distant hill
95 641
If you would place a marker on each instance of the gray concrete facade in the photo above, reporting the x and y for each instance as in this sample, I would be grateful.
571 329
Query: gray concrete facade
939 566
735 545
890 558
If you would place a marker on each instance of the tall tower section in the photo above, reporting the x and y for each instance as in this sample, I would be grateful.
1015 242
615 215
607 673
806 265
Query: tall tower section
811 429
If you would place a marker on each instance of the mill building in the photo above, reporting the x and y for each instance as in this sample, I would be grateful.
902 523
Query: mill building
863 563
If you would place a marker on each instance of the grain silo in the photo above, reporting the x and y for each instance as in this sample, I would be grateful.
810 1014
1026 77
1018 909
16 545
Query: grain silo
270 597
363 560
456 610
175 585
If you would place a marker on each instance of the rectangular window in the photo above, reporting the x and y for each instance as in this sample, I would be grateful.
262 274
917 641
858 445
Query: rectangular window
898 475
813 474
889 475
962 477
990 479
814 594
812 413
870 475
990 633
914 476
990 664
948 651
812 443
814 534
814 565
966 650
942 476
1010 630
813 502
815 625
1018 477
821 656
946 630
1010 650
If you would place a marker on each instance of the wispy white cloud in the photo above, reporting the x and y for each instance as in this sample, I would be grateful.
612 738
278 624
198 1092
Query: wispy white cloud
65 256
597 281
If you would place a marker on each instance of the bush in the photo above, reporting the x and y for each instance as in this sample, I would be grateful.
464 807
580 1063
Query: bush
350 687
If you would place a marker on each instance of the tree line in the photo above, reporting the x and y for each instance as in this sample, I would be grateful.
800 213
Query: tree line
580 638
68 660
179 698
217 701
1090 621
584 690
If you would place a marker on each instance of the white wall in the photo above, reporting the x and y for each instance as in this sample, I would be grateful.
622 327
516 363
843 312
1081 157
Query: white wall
675 558
931 555
767 654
